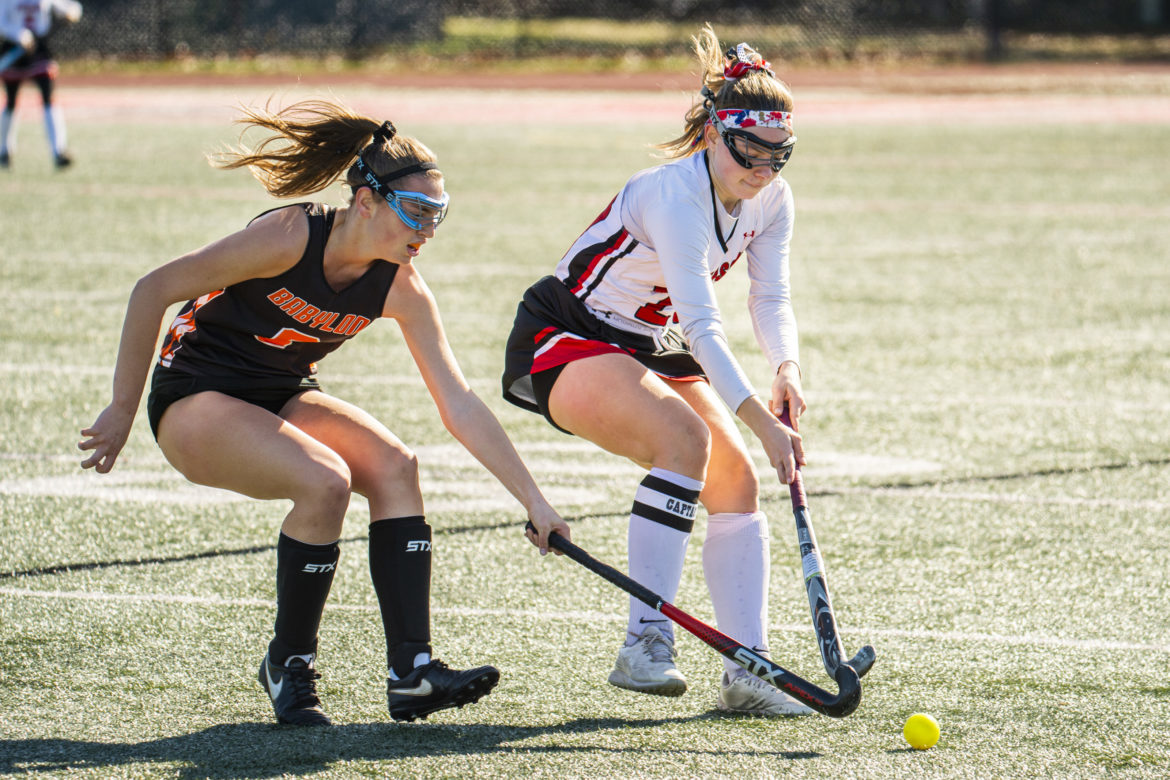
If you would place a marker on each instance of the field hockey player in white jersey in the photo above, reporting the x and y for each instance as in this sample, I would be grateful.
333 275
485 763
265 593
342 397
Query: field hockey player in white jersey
25 28
624 346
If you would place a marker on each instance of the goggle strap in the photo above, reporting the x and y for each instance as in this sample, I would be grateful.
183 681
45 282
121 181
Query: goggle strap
379 184
410 169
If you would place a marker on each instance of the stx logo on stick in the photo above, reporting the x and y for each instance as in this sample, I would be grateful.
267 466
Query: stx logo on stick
756 665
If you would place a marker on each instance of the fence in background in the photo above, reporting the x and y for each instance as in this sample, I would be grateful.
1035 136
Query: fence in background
825 29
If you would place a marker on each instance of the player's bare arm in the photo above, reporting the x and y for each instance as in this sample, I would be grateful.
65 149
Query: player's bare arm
267 247
464 414
782 444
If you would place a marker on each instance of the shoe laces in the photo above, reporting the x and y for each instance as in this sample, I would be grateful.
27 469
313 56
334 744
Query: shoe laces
302 681
756 683
658 647
434 670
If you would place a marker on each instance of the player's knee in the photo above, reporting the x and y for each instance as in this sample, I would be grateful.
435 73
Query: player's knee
398 472
740 476
402 467
686 443
327 488
388 476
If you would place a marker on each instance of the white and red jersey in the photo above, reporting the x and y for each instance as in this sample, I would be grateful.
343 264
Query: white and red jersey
35 15
650 260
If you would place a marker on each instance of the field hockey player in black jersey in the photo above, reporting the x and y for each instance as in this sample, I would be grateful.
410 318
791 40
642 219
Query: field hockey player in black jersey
235 402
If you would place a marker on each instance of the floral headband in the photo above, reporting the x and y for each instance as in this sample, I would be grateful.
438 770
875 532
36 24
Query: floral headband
744 118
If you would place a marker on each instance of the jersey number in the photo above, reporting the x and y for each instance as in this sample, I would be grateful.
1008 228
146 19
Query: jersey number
286 336
652 312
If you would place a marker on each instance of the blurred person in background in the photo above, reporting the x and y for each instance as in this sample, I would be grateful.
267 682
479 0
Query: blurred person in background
25 26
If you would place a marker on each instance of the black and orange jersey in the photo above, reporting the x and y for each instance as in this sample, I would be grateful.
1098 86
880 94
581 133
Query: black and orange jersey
277 327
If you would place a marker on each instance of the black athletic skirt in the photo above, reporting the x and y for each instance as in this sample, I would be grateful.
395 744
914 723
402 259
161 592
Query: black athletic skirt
168 385
554 328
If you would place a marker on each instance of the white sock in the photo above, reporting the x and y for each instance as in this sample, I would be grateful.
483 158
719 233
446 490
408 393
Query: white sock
421 659
6 134
55 129
660 526
736 563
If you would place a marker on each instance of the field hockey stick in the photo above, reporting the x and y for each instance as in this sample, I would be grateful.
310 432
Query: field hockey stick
828 638
849 685
12 56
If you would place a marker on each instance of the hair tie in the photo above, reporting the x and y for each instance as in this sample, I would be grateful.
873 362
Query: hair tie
743 59
385 132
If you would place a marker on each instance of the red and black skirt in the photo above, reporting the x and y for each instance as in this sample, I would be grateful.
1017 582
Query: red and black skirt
553 328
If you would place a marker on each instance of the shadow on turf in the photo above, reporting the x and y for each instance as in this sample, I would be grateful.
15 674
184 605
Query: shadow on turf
65 568
265 750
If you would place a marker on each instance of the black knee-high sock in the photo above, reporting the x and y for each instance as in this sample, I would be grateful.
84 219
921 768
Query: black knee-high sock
400 566
304 574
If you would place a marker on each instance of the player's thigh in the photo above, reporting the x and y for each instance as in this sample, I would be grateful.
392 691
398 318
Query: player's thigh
217 440
378 460
615 402
732 484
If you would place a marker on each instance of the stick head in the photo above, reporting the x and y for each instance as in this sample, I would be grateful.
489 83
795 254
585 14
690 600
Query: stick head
863 661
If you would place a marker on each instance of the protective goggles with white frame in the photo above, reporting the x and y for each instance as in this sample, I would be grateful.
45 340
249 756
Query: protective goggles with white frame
416 210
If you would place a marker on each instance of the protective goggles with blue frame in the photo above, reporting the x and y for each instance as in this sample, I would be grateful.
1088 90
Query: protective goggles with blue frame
415 209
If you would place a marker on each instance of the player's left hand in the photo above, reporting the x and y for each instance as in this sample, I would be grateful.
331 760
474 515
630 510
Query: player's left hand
786 390
541 523
107 436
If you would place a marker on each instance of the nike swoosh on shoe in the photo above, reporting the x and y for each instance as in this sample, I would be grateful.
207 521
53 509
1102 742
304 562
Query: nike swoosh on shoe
424 688
274 686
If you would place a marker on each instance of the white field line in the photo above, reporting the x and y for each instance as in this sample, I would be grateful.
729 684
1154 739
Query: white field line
1039 640
915 400
447 492
934 494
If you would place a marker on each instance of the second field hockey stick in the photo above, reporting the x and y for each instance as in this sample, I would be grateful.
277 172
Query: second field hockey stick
828 639
12 56
849 685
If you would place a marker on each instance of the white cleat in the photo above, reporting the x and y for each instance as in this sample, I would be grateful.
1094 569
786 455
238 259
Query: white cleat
750 695
647 666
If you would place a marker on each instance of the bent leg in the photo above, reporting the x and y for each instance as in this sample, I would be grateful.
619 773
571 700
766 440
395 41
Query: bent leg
252 451
732 484
381 467
737 548
615 402
385 471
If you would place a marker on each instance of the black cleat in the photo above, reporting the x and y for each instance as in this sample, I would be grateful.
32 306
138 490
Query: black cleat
5 160
63 160
293 690
433 687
